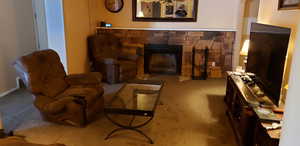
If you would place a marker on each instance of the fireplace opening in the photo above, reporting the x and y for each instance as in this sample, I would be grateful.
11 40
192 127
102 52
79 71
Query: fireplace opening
164 63
162 59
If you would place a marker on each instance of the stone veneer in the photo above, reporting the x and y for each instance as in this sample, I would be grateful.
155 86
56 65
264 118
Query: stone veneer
220 44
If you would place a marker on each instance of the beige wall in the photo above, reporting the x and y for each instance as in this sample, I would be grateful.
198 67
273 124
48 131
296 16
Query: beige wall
250 16
77 29
212 14
251 8
17 37
239 34
291 127
269 14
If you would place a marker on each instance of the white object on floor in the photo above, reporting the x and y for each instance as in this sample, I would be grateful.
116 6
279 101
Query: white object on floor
184 78
144 76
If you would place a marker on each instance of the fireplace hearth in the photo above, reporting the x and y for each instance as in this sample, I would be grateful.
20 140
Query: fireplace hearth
162 59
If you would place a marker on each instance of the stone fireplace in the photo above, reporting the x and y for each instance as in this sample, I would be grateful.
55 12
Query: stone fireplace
219 43
162 59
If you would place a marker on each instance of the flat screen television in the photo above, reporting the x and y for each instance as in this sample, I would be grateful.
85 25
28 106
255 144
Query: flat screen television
266 57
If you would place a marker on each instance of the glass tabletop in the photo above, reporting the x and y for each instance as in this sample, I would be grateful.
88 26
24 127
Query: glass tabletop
139 97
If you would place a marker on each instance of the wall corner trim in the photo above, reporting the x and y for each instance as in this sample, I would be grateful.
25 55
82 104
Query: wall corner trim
8 92
11 90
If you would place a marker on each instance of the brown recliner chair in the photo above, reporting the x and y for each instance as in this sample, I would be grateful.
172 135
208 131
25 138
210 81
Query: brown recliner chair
67 99
114 60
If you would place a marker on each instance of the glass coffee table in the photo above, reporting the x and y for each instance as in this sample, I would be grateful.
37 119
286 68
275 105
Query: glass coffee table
135 98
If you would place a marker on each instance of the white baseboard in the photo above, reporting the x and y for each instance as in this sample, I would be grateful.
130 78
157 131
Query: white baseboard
11 90
7 92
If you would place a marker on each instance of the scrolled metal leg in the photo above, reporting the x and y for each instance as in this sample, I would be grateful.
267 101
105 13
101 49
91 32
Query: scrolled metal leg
129 127
142 133
112 132
132 119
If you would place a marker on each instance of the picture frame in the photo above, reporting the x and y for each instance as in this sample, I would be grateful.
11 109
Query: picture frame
165 10
288 4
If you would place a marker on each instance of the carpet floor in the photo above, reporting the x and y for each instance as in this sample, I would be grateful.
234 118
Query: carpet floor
191 113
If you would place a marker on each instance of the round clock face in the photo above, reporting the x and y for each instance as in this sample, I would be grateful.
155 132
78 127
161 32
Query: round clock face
114 5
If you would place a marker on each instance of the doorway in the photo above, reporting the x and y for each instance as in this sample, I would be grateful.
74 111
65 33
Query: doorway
49 27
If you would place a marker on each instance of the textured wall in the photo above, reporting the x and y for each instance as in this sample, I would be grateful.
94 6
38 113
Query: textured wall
77 29
17 38
221 45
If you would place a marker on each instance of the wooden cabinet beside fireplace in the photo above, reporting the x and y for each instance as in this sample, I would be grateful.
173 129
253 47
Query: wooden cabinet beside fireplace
244 121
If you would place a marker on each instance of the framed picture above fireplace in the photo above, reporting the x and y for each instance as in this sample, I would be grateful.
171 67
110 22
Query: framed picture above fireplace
288 4
165 10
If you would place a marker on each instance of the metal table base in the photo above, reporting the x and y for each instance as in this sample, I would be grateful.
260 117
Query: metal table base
129 127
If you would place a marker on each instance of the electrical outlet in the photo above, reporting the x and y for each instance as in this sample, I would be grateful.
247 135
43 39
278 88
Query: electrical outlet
213 64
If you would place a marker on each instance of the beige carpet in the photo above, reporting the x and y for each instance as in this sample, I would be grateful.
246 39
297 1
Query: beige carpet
192 113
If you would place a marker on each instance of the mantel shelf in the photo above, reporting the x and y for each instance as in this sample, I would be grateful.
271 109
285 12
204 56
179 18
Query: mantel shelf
175 29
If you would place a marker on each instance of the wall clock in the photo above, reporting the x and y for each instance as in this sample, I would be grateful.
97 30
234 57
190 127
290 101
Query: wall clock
114 6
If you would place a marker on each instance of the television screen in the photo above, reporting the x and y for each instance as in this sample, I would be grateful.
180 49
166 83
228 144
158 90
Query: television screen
266 57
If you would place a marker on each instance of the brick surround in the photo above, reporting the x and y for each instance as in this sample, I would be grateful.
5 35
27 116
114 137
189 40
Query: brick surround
220 44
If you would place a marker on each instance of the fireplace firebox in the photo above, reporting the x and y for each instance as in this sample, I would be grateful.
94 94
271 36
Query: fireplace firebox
162 59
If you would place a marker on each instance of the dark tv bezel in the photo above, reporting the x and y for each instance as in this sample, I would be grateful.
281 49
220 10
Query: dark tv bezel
260 82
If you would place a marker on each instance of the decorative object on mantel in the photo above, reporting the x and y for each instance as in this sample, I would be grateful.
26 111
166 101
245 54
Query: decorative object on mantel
288 4
114 6
165 10
104 24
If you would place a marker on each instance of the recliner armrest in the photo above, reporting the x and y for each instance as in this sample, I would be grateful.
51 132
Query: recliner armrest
84 79
52 106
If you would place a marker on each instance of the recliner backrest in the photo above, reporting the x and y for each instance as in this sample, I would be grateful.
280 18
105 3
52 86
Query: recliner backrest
42 72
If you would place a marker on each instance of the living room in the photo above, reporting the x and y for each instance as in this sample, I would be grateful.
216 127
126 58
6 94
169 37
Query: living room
187 55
